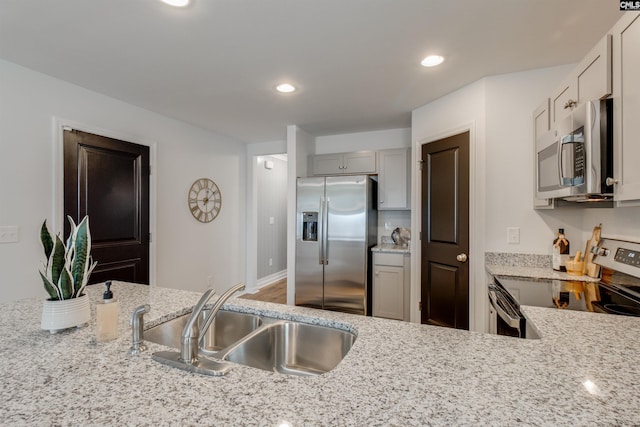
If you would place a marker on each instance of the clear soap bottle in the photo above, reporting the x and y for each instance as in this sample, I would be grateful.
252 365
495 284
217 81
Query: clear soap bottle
107 316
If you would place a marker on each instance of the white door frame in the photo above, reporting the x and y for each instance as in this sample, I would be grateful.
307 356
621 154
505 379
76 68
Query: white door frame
57 217
477 303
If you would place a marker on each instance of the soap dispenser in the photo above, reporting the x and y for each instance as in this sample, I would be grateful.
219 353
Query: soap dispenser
107 316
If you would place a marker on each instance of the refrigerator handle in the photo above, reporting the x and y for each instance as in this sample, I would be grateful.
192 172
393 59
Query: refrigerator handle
321 232
326 232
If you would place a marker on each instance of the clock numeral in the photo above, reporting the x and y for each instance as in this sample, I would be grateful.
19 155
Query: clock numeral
209 216
204 183
194 210
202 216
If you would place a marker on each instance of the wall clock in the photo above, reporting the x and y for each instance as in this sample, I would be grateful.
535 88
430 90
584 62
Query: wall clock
205 200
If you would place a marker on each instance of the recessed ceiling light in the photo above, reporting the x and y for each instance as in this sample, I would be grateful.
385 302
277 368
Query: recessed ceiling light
176 3
285 88
432 61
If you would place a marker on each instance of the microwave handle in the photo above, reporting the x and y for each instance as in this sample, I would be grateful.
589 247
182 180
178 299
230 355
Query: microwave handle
559 156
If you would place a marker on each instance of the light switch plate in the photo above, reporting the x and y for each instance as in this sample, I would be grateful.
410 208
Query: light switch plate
513 235
9 234
272 220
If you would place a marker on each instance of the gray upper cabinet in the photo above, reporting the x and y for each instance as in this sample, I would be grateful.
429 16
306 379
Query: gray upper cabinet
361 162
626 107
394 190
541 124
591 79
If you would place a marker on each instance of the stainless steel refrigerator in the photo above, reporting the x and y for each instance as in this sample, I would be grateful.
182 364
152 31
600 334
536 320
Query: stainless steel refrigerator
337 224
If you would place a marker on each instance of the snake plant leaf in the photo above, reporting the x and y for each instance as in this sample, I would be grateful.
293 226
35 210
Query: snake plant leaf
72 232
90 266
50 288
66 284
57 261
47 241
82 249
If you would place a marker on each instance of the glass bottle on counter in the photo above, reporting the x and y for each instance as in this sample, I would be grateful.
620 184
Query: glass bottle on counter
560 251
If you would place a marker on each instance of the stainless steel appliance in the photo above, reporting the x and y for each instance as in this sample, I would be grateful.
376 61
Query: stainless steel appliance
574 160
617 292
336 226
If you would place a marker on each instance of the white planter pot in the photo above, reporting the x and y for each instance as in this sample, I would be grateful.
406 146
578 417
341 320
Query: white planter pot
58 315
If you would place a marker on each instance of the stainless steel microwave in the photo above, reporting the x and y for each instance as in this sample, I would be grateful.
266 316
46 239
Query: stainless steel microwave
574 160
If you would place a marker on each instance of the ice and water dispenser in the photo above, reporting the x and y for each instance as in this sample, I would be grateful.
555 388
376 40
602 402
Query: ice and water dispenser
310 226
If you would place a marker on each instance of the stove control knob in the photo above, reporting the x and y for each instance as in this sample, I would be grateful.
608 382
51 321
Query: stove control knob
602 252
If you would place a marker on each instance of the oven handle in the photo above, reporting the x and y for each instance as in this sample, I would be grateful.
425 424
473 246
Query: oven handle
511 321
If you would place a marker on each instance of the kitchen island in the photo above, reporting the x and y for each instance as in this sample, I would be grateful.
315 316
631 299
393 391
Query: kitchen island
583 371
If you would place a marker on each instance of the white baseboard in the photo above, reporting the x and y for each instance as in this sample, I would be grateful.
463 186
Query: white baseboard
268 280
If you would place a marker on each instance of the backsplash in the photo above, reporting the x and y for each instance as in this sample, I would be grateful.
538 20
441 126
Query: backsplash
389 220
508 259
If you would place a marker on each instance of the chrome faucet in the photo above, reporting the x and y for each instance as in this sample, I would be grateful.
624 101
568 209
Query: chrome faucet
137 329
192 333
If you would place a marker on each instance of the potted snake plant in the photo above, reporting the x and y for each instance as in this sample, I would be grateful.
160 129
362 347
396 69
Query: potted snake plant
65 275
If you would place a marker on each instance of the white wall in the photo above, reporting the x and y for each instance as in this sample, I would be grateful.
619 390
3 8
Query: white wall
363 141
188 252
510 101
272 205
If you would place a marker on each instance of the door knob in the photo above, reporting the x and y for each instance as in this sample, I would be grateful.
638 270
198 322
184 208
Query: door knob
611 181
462 257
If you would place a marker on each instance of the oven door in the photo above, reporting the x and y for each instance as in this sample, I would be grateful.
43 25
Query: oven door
508 319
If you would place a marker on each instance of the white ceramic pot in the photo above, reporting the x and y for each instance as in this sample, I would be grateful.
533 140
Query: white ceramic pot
58 315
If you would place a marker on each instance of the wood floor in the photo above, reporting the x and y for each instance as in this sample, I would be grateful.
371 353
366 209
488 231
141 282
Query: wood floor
276 292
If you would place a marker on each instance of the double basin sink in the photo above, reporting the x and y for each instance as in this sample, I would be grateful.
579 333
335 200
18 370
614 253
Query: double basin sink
283 346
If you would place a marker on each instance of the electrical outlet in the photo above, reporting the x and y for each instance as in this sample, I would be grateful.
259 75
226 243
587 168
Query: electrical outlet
513 235
270 262
272 220
9 234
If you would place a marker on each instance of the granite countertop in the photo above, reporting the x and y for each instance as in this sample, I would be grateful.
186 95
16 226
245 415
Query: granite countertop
582 372
391 247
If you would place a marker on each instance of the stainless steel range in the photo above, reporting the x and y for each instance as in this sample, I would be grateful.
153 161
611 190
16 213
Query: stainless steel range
617 292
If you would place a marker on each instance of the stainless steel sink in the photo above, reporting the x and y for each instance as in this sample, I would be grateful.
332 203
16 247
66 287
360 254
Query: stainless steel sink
283 346
227 328
292 348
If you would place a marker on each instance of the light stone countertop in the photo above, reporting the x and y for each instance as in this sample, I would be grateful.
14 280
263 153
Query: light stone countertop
583 371
392 248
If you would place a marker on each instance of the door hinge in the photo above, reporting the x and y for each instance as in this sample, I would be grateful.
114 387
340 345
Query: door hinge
421 163
420 235
420 306
149 237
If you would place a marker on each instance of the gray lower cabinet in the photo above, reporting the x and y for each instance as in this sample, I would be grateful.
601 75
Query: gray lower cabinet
391 285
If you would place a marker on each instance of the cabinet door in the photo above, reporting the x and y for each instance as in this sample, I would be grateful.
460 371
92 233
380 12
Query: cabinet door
566 92
591 79
359 162
327 164
388 292
626 108
393 180
540 126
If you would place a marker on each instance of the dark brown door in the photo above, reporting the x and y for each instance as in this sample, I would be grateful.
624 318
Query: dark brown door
108 180
445 232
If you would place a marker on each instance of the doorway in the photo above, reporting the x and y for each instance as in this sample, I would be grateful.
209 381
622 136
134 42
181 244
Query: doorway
445 232
109 180
270 200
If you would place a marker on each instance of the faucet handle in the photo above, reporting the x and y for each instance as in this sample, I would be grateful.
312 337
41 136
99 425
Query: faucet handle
137 329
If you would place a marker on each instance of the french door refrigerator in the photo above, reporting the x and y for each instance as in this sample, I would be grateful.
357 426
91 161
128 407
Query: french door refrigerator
337 224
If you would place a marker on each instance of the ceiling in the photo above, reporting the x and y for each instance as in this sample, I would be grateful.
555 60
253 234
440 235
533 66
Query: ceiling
356 62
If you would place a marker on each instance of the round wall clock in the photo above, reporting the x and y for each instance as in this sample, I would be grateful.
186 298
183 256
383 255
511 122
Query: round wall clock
204 200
